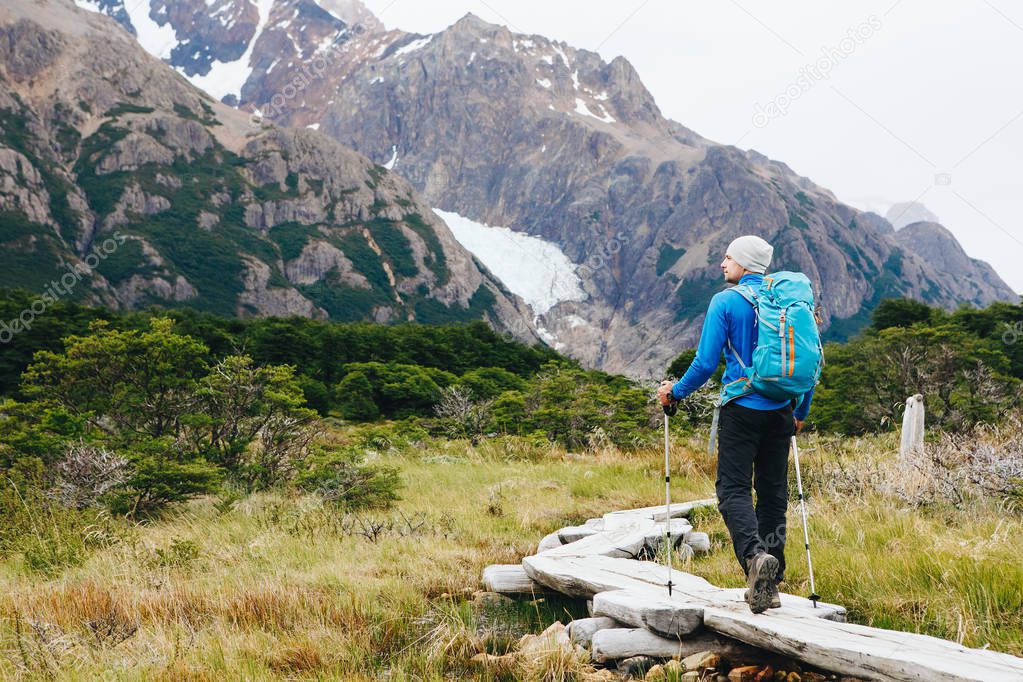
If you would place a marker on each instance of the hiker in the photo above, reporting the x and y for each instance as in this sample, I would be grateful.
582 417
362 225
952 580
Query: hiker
753 430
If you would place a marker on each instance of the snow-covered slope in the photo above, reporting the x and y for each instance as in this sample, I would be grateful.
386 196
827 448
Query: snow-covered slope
227 78
533 268
220 45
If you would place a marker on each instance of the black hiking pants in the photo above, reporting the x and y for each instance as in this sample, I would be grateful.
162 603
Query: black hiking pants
753 452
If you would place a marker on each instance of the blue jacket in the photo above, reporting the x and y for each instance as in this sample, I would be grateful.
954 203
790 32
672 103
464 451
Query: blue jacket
730 316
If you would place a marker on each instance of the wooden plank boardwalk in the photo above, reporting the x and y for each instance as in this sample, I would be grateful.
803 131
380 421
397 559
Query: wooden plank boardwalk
600 563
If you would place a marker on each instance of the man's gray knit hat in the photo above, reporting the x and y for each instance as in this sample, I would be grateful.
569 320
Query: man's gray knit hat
751 252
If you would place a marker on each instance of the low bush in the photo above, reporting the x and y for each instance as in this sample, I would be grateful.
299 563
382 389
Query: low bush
339 476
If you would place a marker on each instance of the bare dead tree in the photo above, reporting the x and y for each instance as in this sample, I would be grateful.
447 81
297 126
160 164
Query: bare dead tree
464 416
86 473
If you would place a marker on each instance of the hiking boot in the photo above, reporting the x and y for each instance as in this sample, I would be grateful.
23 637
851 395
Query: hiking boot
763 568
775 597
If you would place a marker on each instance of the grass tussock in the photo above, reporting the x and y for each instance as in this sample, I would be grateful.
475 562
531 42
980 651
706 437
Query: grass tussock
272 586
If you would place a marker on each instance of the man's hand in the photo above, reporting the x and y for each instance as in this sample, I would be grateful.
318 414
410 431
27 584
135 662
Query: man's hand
664 393
799 424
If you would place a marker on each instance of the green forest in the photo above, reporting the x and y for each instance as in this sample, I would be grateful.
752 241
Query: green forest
184 402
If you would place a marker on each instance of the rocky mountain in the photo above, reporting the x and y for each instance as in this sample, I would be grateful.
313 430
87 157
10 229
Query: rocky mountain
941 251
122 184
507 132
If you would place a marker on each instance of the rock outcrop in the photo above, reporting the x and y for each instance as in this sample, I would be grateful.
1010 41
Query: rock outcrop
115 168
940 250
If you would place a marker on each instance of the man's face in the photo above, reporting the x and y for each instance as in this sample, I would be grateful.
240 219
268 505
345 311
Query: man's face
731 270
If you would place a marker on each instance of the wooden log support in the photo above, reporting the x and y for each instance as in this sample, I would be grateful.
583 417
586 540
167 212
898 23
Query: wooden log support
609 645
581 631
510 579
700 542
680 530
650 610
912 439
550 541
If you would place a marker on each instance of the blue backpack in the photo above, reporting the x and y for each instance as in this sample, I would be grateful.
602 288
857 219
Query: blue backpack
788 356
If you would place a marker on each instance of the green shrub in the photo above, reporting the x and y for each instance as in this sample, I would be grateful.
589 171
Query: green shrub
158 480
490 382
180 554
339 477
355 398
667 257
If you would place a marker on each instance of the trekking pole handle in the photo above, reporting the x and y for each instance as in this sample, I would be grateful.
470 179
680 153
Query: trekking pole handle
672 407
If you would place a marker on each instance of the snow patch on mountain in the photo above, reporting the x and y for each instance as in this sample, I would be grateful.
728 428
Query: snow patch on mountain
531 267
564 57
91 5
157 40
227 78
584 110
413 46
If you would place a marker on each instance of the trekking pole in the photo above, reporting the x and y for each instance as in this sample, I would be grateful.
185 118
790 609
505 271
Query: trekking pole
814 597
669 411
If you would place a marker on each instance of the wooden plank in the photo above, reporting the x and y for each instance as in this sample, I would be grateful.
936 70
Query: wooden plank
573 533
870 653
587 576
510 579
626 541
609 645
651 610
793 601
656 513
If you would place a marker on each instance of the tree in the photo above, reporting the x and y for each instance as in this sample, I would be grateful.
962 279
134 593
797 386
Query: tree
340 477
238 401
160 475
571 406
464 416
149 397
490 382
902 312
964 380
135 384
397 390
355 398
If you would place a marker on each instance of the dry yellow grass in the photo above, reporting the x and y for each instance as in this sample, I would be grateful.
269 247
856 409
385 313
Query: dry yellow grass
281 588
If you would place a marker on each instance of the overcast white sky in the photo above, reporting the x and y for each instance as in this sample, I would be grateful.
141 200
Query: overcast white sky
926 103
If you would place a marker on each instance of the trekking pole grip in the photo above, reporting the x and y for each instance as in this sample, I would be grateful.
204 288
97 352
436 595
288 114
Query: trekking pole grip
671 408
